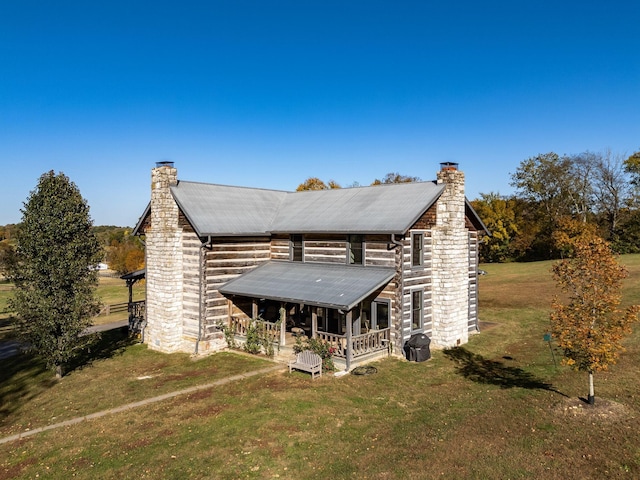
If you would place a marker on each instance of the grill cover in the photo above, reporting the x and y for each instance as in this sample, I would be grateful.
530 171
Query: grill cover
416 349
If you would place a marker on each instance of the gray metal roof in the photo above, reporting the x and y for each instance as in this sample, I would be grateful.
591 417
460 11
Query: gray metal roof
227 211
333 286
220 210
389 208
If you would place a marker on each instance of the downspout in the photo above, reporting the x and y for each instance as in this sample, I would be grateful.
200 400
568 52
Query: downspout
395 242
201 262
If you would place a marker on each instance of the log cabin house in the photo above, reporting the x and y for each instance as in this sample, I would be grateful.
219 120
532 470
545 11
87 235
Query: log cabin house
362 268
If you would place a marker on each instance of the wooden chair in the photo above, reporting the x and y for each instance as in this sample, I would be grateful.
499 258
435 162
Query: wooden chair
309 362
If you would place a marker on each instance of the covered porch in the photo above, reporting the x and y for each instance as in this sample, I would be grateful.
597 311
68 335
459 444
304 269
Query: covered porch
136 309
338 304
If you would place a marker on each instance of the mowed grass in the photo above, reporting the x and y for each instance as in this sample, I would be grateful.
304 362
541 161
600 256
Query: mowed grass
495 408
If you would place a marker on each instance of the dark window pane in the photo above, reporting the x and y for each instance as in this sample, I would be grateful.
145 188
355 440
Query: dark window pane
417 247
382 315
416 310
355 250
296 248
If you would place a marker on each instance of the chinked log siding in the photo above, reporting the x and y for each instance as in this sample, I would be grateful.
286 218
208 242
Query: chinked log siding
473 281
226 259
323 251
280 248
416 278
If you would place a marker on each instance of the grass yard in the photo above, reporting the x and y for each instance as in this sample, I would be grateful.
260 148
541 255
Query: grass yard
495 408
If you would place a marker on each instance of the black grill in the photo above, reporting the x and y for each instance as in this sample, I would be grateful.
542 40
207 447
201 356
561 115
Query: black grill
416 349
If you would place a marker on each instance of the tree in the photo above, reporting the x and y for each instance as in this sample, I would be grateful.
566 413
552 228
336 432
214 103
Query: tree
591 326
559 185
125 255
499 215
613 193
53 272
314 183
395 177
632 167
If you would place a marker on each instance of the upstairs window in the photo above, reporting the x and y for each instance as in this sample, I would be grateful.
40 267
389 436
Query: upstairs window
417 249
355 250
296 248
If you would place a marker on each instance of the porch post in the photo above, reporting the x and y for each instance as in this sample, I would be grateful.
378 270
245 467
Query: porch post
254 308
130 285
349 337
283 323
130 304
314 321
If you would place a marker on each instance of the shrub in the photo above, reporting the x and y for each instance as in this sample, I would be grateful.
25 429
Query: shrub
322 348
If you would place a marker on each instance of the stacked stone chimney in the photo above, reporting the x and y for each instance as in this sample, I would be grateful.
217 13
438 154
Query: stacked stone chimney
450 287
164 264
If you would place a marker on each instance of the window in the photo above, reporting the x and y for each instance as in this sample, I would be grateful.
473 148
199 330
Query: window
355 250
416 310
296 248
417 249
381 319
375 315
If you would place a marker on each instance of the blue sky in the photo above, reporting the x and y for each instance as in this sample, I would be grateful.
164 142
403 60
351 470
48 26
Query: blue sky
268 93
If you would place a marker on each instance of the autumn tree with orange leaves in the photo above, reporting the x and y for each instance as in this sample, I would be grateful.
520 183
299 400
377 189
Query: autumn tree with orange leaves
590 326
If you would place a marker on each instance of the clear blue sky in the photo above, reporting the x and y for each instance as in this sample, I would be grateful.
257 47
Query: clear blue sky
268 93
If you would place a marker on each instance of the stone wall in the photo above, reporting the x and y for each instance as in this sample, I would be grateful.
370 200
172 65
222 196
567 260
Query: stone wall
450 263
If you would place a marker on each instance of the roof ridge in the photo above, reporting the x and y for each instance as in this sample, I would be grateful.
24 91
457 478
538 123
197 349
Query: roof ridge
239 187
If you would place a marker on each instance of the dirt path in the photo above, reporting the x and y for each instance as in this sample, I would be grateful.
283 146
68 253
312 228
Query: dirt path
140 403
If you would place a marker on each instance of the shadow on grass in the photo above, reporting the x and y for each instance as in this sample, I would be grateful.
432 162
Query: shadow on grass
479 369
6 328
101 346
24 376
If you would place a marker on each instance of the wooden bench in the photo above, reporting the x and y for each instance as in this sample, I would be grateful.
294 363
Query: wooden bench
308 362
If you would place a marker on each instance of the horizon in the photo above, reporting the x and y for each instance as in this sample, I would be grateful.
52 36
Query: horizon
268 95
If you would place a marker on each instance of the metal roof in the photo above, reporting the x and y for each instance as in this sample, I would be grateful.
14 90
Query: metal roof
389 208
219 210
135 275
227 211
322 285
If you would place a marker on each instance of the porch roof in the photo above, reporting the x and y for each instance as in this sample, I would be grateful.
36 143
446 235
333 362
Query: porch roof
333 286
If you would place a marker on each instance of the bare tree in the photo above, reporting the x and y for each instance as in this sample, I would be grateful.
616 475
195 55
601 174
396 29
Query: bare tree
612 188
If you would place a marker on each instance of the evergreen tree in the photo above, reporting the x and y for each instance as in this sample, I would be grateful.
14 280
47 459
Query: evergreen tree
53 270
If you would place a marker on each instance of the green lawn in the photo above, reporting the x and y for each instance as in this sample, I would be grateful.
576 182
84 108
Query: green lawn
495 408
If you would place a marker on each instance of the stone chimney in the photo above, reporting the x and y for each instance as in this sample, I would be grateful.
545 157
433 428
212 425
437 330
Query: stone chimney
164 263
450 288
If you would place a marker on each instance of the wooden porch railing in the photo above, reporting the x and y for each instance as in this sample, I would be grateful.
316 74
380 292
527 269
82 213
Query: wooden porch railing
137 309
363 344
240 326
137 313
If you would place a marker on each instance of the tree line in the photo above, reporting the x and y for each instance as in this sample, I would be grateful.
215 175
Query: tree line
122 252
600 189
